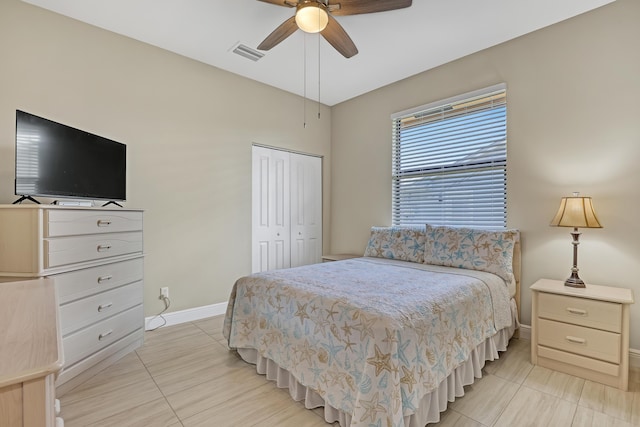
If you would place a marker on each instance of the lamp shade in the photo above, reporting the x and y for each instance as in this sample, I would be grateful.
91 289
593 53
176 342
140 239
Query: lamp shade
311 18
576 212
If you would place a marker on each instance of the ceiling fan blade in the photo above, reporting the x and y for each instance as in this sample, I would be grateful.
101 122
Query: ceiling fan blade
287 28
338 38
356 7
285 3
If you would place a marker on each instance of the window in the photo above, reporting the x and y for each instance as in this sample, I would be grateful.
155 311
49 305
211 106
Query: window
450 162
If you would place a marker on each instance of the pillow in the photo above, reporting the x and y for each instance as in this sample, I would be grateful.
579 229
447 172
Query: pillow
402 243
474 249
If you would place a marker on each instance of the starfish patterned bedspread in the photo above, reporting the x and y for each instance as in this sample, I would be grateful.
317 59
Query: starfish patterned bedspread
371 336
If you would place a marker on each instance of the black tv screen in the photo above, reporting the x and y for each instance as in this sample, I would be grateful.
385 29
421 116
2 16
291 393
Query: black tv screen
55 160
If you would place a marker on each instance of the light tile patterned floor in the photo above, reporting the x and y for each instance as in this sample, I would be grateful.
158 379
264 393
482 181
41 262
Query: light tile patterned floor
184 375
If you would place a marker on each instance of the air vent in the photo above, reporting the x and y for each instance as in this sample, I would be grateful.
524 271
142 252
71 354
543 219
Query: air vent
247 52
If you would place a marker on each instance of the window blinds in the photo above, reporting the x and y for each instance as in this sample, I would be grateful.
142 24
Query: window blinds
450 162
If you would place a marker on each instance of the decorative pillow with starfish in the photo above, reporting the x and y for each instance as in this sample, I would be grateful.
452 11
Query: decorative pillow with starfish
475 249
401 243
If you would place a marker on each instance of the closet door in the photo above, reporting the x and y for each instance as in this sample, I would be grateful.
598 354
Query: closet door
271 232
306 209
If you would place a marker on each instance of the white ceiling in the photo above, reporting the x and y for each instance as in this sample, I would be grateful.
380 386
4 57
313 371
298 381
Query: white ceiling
392 45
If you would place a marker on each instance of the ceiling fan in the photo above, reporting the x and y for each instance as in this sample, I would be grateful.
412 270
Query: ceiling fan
316 16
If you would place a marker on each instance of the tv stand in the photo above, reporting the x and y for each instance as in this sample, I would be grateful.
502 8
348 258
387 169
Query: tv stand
23 198
112 203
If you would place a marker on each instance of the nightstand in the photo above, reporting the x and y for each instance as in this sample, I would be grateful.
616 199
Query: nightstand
582 331
338 257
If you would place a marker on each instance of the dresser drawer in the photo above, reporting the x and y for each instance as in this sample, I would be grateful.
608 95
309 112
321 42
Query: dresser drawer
77 222
70 250
88 281
594 343
78 314
581 311
87 341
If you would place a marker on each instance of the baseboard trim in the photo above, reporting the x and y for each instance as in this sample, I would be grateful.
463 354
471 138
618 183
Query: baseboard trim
183 316
525 332
634 358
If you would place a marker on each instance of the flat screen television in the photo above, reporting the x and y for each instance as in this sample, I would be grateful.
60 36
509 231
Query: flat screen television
55 160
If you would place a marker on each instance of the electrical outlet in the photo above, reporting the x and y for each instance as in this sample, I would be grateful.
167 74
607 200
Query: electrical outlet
164 292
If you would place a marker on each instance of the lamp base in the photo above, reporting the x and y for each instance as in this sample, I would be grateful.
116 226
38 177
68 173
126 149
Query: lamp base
574 282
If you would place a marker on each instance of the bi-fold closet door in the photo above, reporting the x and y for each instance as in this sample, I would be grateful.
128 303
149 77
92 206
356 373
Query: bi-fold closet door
286 209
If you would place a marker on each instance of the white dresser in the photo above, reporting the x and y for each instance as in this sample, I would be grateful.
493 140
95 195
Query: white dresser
582 331
95 257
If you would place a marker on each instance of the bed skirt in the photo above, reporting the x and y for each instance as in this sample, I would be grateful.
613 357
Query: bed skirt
430 405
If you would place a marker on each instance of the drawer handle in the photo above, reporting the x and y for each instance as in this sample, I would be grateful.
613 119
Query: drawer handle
575 340
103 248
577 311
103 279
103 223
104 306
104 335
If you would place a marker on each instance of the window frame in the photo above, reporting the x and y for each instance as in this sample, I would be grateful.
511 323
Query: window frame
487 177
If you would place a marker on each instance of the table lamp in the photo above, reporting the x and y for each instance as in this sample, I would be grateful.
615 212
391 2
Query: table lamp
576 211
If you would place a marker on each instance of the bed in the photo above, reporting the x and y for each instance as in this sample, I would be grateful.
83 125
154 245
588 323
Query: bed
387 339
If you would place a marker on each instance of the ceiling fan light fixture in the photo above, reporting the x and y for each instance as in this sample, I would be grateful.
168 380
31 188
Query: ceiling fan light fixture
311 18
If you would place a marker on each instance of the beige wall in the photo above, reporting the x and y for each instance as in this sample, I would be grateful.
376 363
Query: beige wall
188 129
573 125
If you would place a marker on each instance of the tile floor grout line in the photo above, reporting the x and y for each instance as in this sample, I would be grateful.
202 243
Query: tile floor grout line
159 389
505 406
81 399
180 420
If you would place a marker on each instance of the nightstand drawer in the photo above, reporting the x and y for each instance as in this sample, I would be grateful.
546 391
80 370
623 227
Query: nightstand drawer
594 343
581 311
612 369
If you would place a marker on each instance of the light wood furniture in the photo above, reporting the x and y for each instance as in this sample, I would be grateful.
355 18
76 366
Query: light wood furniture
582 331
95 256
338 257
30 353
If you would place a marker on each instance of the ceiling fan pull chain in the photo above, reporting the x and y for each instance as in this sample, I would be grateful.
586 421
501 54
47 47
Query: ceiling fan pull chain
318 75
304 82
